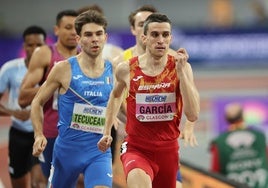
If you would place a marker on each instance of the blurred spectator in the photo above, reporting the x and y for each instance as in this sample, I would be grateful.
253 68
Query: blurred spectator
221 13
259 8
240 153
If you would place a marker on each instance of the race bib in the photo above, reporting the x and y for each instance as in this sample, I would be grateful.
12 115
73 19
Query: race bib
88 118
155 106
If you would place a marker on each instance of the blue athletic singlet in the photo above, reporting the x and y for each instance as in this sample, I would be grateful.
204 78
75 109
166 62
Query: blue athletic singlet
81 121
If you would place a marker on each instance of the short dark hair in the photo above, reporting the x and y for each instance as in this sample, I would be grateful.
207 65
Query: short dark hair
235 118
155 17
63 13
90 7
144 8
34 29
90 16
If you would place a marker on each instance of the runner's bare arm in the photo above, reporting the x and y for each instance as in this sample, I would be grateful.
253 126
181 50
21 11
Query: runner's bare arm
39 62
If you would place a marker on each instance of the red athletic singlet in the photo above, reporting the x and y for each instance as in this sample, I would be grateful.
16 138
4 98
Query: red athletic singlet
154 104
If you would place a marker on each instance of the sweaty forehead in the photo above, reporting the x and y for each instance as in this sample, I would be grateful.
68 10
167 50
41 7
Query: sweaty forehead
65 20
34 38
92 27
159 27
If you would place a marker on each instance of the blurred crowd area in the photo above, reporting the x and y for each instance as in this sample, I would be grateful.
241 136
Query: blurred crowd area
214 32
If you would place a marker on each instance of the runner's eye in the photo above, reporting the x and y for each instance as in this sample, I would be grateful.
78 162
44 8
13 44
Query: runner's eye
155 34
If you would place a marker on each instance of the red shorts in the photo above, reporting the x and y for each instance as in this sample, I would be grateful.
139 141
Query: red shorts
158 159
